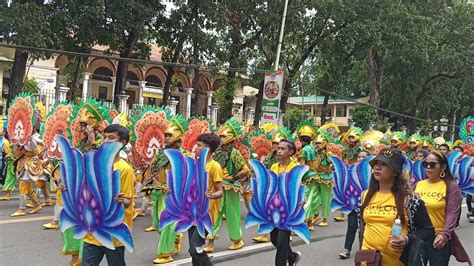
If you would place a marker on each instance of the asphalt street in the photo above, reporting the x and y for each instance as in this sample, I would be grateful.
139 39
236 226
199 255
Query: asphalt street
24 242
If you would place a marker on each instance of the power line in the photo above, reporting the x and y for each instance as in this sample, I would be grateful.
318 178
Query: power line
135 60
383 109
202 68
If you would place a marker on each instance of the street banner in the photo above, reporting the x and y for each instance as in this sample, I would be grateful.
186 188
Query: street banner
272 91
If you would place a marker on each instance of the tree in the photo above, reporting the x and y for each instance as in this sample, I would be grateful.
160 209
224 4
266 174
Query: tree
186 37
24 23
78 26
363 116
128 25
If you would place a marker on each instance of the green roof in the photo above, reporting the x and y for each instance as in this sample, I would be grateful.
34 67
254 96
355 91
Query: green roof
311 100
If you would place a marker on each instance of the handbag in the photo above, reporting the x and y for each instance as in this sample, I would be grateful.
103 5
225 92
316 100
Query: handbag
369 257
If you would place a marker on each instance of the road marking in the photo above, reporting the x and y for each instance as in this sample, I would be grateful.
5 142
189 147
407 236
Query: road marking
22 220
225 253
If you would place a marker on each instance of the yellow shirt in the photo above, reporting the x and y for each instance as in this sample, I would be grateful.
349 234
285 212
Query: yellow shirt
434 196
278 170
379 217
215 174
127 177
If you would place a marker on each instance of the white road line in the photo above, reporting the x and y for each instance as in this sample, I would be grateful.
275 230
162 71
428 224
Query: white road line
21 220
225 253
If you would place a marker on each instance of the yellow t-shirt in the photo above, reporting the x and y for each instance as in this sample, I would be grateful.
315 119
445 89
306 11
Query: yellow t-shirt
215 174
278 170
127 177
379 217
434 196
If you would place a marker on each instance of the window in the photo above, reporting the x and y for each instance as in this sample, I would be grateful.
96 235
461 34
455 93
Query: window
103 91
341 111
102 73
153 81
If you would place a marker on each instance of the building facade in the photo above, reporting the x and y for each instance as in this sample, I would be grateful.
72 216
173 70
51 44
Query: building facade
144 83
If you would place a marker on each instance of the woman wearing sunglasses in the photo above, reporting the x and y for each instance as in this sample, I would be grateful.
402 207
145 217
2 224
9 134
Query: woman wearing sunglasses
442 199
387 200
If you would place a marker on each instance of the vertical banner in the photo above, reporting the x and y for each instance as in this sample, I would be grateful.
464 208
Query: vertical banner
272 91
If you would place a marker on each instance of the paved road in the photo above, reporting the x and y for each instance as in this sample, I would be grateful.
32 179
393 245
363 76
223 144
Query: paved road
24 242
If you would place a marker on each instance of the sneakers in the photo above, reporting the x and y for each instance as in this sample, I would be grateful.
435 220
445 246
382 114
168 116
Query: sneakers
345 254
297 255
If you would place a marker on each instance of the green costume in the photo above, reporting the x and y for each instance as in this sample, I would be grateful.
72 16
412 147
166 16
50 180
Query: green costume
71 246
233 164
10 177
170 241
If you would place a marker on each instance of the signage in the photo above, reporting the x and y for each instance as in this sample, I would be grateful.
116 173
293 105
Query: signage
272 91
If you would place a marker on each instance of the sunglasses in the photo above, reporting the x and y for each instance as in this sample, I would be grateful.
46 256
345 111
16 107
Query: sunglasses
432 165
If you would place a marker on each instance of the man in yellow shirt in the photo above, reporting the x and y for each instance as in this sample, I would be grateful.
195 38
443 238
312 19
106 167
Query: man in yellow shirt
281 238
93 251
214 193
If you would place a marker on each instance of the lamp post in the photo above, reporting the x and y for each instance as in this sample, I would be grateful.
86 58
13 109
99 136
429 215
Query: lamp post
444 125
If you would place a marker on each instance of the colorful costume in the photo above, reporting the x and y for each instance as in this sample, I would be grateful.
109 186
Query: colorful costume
9 169
28 166
352 149
412 144
235 169
323 180
307 156
169 242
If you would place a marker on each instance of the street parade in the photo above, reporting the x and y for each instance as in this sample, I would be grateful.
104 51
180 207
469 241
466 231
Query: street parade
106 169
236 133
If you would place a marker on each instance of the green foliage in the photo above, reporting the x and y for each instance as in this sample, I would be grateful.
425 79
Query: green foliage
295 115
363 116
225 97
31 86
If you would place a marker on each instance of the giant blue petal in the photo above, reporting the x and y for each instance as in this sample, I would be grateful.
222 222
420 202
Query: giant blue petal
122 234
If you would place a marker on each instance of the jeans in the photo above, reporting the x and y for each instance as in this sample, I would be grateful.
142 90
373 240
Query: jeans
92 255
352 225
281 240
196 243
436 257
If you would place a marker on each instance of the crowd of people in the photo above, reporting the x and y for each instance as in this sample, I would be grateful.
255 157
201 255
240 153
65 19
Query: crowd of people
428 210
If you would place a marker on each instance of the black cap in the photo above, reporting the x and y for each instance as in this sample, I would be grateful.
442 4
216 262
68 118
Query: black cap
391 157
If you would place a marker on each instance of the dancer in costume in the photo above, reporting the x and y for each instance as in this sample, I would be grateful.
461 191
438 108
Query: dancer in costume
396 139
413 143
323 181
235 170
6 156
266 150
307 132
214 193
149 124
42 183
94 250
279 194
56 124
28 166
351 140
170 242
85 127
